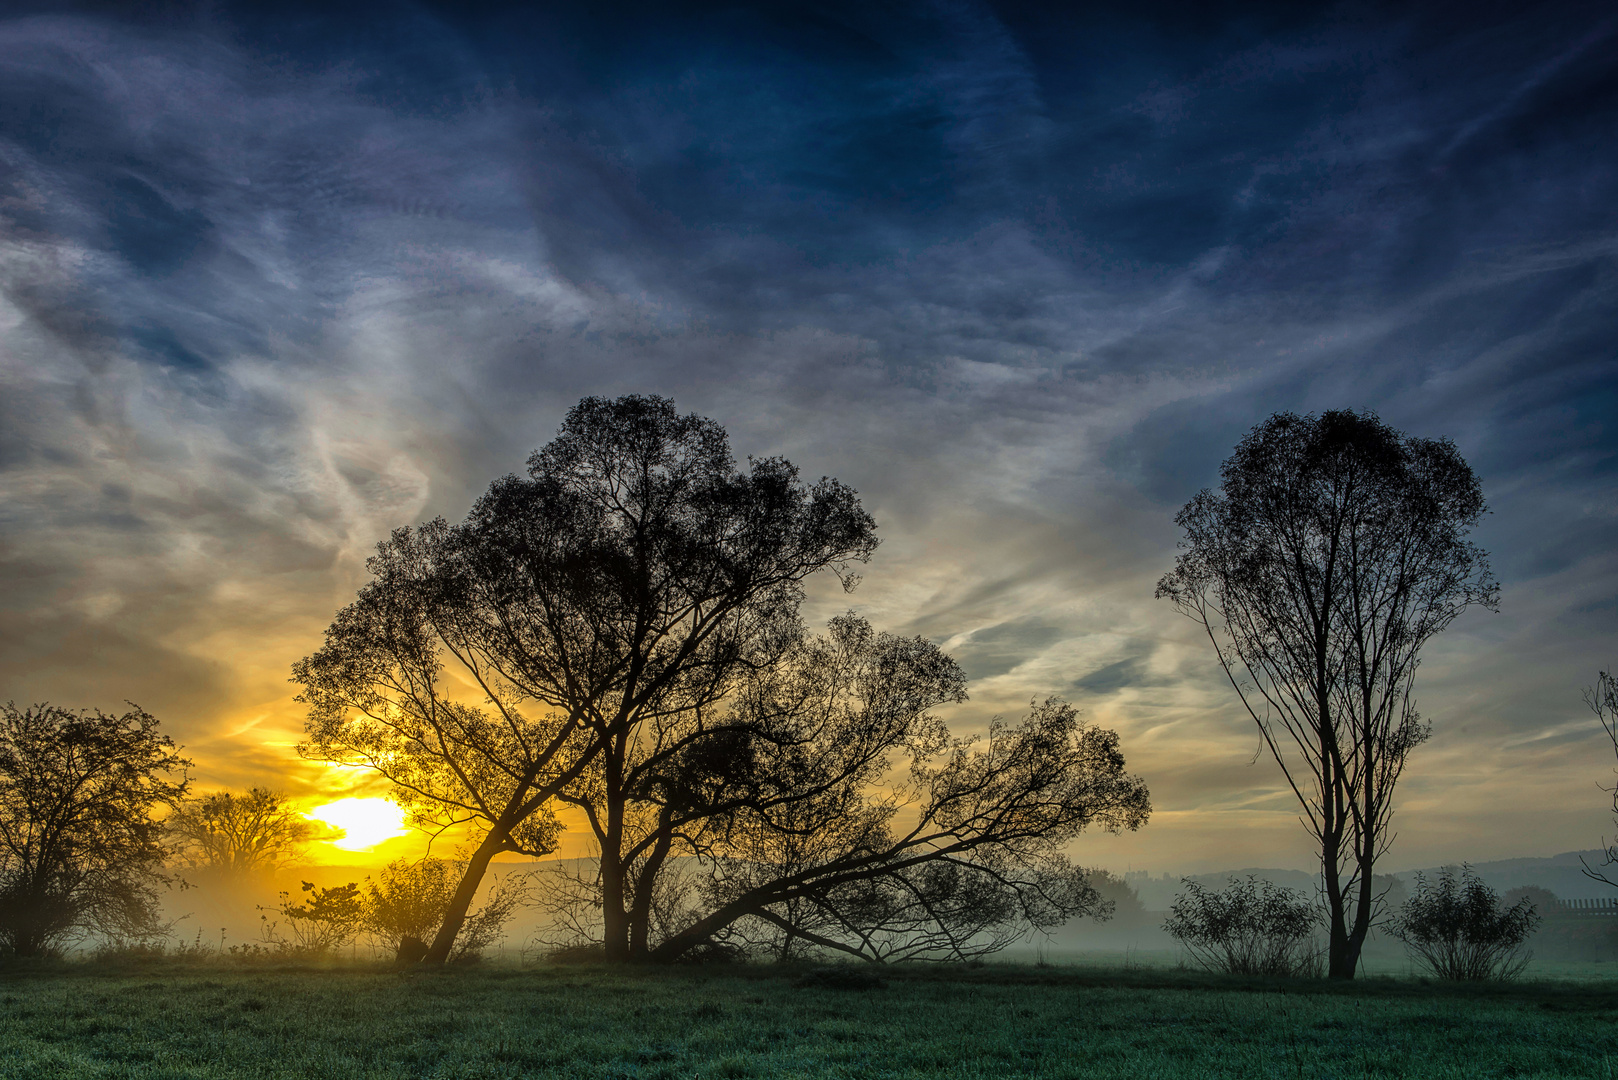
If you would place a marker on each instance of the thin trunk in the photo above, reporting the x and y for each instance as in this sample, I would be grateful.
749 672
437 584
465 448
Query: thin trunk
1337 943
461 902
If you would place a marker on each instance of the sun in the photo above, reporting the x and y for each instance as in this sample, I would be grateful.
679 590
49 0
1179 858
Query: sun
364 823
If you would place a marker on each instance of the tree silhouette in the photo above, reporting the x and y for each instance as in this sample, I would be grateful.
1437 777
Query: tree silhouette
238 835
79 849
1334 549
633 575
774 824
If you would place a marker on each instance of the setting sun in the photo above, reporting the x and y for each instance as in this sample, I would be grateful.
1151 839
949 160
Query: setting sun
364 823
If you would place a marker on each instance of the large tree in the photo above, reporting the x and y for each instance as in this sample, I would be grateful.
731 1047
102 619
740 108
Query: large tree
634 575
79 848
1333 550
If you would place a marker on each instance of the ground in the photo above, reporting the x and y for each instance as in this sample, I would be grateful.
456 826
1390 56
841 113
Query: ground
164 1019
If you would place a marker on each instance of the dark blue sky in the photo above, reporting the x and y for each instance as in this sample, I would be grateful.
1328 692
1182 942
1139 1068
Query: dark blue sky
278 279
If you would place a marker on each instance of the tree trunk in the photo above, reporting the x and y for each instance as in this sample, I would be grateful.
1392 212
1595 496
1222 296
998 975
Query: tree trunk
461 902
1337 931
640 914
614 921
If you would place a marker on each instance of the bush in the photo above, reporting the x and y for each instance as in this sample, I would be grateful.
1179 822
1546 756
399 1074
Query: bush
1252 927
1456 928
407 902
329 919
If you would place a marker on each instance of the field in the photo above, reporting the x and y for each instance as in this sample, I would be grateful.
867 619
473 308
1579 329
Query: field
171 1020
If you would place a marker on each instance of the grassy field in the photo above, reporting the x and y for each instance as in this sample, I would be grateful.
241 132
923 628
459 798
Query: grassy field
168 1020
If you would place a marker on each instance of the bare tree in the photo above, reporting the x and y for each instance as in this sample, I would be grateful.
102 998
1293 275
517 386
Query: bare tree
1334 549
1602 698
79 849
238 835
635 574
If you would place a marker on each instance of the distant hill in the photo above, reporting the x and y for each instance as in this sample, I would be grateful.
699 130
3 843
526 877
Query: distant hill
1562 874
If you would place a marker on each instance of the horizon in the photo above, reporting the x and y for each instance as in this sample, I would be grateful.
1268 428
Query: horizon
279 280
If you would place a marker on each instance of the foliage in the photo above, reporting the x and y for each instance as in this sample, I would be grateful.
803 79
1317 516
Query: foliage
1456 928
79 849
1251 927
405 904
238 835
632 576
155 1019
330 918
772 828
977 864
1334 549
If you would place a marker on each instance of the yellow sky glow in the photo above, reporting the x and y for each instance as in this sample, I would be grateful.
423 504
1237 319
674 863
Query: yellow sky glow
364 823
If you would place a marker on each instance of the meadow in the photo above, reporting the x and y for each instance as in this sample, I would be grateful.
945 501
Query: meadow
167 1019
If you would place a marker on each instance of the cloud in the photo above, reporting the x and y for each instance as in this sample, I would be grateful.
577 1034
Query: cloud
269 289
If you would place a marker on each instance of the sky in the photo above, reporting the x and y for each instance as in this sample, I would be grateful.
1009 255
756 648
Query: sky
275 280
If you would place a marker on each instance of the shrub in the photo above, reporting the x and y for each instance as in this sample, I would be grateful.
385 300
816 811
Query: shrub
406 903
1252 927
1456 928
329 919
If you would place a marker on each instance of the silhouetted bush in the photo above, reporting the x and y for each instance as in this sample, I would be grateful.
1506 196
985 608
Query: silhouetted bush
1456 928
1252 927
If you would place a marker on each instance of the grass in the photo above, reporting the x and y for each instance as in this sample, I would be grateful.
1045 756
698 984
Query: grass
168 1020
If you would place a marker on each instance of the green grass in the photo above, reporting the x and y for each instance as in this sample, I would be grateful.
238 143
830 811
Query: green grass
169 1020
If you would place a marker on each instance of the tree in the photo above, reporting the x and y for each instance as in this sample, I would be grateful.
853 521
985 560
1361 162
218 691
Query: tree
774 825
1602 698
238 835
632 576
1333 551
79 849
1456 928
1251 927
961 860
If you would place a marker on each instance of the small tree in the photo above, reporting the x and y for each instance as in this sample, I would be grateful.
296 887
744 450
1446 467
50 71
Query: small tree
237 835
1251 927
79 849
1456 928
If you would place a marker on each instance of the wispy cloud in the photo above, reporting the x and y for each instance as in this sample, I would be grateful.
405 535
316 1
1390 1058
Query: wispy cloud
269 289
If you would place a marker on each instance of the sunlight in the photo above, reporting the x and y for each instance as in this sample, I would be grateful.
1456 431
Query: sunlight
364 823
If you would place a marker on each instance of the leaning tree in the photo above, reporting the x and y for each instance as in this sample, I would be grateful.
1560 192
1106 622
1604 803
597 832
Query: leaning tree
1333 550
779 823
632 576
